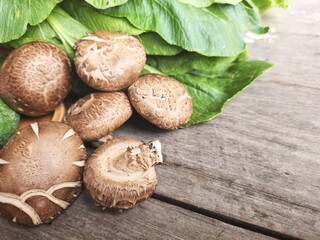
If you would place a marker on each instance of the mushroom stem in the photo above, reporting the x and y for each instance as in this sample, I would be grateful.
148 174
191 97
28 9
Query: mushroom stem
144 156
101 141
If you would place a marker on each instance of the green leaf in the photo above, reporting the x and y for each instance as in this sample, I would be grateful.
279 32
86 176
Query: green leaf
246 18
102 4
264 5
97 21
42 31
15 16
155 45
186 62
213 31
9 121
207 3
210 90
67 28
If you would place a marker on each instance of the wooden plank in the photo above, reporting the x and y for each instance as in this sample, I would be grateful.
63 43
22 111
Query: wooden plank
259 161
150 220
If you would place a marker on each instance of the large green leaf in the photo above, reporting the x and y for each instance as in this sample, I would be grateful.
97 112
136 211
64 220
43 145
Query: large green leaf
42 31
67 28
207 3
16 15
213 31
97 21
102 4
9 121
264 5
210 90
186 62
155 45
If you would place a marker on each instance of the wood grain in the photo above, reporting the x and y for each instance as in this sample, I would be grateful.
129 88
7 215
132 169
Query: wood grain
150 220
259 161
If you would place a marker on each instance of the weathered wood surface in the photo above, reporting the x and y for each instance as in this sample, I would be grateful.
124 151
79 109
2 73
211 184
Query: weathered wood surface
259 161
150 220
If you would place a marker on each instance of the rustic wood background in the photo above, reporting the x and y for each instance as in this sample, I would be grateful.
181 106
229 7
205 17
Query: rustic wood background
251 173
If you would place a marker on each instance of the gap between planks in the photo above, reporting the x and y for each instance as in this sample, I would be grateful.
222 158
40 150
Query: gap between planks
222 218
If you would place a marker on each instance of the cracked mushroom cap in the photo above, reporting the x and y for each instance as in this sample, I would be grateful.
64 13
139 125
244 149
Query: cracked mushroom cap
109 61
35 78
161 100
40 172
98 114
121 173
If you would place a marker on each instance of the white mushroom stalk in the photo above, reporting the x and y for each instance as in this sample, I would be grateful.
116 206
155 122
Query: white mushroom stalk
144 156
121 172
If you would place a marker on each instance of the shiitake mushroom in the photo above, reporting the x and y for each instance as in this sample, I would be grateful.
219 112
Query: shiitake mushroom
40 172
161 100
98 114
109 61
35 78
120 173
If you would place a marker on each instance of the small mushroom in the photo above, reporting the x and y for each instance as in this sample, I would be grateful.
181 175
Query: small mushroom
35 78
161 100
40 172
121 173
98 114
109 61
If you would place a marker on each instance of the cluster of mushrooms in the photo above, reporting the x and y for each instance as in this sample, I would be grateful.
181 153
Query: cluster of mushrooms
41 164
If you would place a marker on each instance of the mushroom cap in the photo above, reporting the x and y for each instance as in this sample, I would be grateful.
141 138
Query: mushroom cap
121 173
40 172
109 61
99 114
161 100
35 78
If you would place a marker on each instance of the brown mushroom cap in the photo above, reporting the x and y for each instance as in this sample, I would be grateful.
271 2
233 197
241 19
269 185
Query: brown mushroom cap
121 173
40 172
161 100
98 114
109 61
35 78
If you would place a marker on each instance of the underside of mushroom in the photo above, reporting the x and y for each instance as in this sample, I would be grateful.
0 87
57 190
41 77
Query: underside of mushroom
121 173
40 172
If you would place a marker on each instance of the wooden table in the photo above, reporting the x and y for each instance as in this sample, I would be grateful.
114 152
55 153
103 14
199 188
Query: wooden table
252 173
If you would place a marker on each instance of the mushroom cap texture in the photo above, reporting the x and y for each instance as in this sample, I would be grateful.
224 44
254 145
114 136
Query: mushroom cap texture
116 181
161 100
35 78
40 172
109 61
99 114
